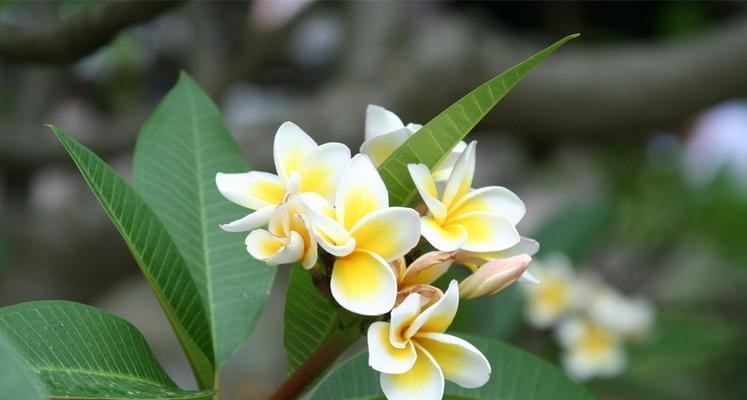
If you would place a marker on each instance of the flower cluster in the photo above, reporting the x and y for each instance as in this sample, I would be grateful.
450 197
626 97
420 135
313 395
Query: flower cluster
592 320
330 212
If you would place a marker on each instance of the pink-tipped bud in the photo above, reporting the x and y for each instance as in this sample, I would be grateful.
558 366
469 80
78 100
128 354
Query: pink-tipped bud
494 276
427 268
428 294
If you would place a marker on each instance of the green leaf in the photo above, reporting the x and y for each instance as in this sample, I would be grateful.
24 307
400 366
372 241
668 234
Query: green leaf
431 143
515 375
180 149
310 318
17 380
155 253
81 352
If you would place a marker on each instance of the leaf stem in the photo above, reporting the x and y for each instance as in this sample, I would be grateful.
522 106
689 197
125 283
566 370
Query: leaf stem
327 353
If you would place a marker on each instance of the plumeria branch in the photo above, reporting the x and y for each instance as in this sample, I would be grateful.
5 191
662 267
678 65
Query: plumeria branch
78 35
324 357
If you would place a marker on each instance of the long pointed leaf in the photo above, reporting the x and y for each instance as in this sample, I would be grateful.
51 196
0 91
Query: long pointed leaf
432 142
182 146
515 375
17 380
81 352
155 253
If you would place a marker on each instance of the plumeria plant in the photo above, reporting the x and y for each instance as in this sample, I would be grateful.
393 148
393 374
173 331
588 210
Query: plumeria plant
369 238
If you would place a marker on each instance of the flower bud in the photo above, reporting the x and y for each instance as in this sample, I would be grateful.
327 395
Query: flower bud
427 268
428 294
494 276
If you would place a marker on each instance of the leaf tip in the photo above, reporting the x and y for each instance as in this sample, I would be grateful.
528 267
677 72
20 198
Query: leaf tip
185 77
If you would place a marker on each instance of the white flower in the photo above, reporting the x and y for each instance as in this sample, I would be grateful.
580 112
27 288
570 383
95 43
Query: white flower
629 317
302 166
365 234
590 349
288 238
555 296
482 220
385 132
414 355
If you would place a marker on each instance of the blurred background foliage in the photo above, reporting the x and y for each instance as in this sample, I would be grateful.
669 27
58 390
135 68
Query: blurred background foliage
628 146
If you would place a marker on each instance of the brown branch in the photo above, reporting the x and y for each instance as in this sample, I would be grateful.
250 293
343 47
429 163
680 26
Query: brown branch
78 35
582 92
335 345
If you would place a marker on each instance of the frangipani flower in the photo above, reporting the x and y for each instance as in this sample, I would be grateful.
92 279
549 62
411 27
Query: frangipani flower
482 220
385 132
414 355
288 238
365 234
302 166
631 318
494 276
556 294
590 349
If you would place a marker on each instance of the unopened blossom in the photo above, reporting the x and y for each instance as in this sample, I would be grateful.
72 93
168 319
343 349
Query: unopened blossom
494 276
458 217
473 260
414 356
590 349
288 238
425 269
385 132
364 234
302 166
555 296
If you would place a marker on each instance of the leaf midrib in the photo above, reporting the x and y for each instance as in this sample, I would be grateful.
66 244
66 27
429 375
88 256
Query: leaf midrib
203 232
104 374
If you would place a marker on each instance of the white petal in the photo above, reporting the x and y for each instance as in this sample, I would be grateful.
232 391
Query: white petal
379 121
267 247
402 316
424 381
361 192
426 186
337 250
251 189
255 220
279 224
439 316
363 283
384 357
413 127
322 168
442 171
473 260
460 180
527 277
291 146
486 232
311 253
447 238
321 215
390 232
379 148
494 200
460 361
